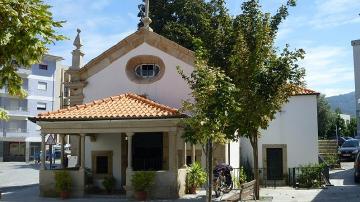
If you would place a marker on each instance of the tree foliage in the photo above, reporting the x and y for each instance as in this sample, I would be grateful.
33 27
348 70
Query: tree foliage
194 24
210 110
329 121
264 77
26 28
325 117
243 47
213 94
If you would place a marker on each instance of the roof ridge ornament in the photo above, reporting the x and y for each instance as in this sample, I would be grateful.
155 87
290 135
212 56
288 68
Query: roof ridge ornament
77 42
147 20
77 54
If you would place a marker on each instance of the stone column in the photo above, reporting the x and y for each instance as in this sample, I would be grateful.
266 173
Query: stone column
227 160
129 169
173 155
43 151
129 137
27 152
193 153
62 139
184 166
82 152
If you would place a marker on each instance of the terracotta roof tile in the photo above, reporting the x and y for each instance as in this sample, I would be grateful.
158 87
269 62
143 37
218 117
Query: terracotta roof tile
125 106
305 91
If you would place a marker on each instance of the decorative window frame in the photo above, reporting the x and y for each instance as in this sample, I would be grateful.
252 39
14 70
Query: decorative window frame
42 85
134 62
109 155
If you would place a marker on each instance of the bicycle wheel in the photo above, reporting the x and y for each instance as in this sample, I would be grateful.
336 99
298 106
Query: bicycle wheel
216 187
227 188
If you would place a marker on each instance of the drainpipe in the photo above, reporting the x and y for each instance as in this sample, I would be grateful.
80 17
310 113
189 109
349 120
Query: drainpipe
53 94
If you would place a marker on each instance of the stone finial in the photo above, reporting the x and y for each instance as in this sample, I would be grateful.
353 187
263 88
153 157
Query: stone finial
77 42
147 20
77 54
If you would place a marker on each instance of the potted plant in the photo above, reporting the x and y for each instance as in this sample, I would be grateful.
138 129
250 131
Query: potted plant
196 176
109 184
63 183
142 182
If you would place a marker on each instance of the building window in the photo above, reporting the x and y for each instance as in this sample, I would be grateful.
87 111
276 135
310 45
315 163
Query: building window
42 85
147 70
102 163
41 106
43 67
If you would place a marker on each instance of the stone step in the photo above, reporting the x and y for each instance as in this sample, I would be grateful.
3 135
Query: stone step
322 148
327 152
327 144
327 141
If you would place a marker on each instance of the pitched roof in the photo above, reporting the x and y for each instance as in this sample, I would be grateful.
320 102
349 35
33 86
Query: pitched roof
131 42
305 91
125 106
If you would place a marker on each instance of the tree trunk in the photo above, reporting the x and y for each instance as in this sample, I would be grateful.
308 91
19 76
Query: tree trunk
254 143
210 165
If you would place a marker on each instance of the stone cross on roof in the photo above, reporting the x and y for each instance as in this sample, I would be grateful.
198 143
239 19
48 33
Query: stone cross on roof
77 42
146 20
77 54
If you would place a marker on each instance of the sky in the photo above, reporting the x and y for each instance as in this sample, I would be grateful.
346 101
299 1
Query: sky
323 28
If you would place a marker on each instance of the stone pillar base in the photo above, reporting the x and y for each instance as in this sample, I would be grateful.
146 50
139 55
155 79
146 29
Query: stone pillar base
128 186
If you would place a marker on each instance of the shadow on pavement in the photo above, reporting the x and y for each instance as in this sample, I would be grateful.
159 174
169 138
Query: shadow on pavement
345 175
17 188
27 166
344 189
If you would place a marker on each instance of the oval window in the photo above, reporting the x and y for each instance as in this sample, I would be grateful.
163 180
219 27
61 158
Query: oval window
147 70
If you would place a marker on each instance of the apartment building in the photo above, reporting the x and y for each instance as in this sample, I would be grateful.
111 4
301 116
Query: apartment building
20 138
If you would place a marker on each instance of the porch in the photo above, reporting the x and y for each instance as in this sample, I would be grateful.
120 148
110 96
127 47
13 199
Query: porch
145 145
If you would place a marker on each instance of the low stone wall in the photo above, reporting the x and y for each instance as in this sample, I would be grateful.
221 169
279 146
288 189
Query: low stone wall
181 182
47 183
247 190
167 185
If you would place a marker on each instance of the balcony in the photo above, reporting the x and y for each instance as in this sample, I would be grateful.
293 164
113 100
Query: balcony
24 72
17 111
5 90
15 133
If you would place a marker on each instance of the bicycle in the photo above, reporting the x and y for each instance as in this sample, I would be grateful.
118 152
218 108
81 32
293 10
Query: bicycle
222 179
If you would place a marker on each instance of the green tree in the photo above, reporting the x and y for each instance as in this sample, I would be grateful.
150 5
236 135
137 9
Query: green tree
337 126
194 23
265 78
325 117
26 28
351 128
210 110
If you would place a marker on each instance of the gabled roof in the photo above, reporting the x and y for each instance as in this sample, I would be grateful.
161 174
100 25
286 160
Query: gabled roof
125 106
305 91
131 42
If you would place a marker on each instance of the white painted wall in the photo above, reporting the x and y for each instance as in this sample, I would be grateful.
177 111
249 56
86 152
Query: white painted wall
356 56
105 142
234 154
170 90
295 126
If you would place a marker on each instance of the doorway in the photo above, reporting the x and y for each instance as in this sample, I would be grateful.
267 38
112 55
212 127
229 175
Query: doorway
147 151
274 163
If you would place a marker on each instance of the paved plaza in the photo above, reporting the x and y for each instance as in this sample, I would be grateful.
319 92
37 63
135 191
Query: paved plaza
19 182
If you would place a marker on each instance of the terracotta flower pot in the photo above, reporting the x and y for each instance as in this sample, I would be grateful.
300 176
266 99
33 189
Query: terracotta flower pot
141 195
64 195
192 190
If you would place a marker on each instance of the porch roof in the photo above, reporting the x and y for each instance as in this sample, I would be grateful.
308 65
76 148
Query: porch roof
124 106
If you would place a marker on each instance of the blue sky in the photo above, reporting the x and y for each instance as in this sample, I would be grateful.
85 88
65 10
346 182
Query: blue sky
324 28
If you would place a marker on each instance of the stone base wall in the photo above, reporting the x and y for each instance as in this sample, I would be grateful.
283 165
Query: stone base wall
47 183
168 184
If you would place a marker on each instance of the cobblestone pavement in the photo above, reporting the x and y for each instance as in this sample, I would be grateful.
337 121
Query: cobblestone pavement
344 189
14 174
19 182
